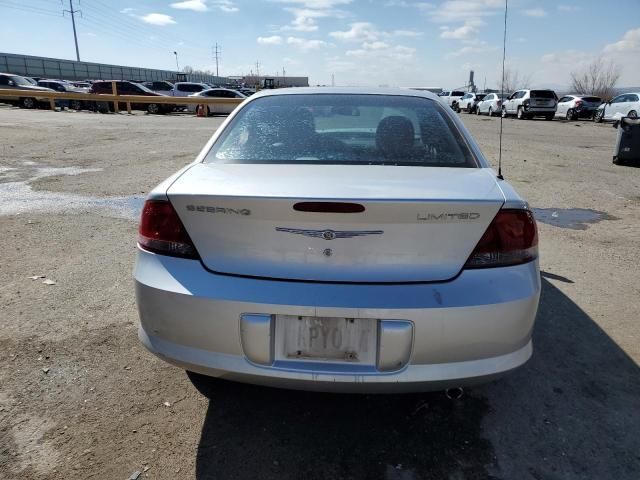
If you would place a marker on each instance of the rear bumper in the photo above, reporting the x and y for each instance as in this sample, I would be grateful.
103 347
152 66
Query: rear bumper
465 331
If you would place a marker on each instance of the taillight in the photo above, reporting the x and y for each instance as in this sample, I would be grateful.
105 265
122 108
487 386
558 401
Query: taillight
161 231
510 239
499 102
578 103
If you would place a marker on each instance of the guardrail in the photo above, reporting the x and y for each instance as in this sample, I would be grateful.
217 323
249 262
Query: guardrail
116 99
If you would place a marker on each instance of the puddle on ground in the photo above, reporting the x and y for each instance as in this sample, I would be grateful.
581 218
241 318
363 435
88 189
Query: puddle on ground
18 197
573 218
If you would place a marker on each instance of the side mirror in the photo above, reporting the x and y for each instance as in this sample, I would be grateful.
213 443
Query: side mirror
11 83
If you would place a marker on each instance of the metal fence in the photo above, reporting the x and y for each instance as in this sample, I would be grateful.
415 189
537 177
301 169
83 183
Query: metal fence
45 67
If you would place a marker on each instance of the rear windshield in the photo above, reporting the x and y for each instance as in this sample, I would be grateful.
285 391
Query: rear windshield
542 94
592 99
457 94
480 96
343 129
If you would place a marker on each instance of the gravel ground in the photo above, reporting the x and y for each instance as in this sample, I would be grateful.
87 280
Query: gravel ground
80 398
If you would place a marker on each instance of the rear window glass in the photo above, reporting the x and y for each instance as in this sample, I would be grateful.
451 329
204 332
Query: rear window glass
592 99
480 96
542 94
343 129
457 94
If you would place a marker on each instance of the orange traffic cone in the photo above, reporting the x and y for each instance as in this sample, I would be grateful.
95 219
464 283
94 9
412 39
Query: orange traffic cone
200 111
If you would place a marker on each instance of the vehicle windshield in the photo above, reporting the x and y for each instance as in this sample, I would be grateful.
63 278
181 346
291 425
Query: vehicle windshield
146 89
23 82
343 129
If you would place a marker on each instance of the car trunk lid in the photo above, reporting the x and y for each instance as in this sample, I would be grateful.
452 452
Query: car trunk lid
409 224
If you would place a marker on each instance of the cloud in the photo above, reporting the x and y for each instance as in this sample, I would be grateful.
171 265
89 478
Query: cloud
382 50
457 10
568 8
630 43
127 10
468 30
407 33
304 44
195 5
316 4
304 19
479 47
535 12
159 19
359 31
273 40
225 5
404 3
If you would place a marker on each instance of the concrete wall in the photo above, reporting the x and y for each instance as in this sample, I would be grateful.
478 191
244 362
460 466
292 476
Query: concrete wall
44 67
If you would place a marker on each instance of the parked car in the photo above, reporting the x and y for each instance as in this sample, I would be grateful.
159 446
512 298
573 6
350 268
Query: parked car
217 93
623 105
574 106
61 86
526 104
163 87
286 255
452 98
469 101
184 89
491 104
124 87
9 81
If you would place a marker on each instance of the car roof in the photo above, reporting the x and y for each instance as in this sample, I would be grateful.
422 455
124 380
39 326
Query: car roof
400 92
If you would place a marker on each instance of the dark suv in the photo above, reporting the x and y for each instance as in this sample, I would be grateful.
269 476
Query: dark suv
124 87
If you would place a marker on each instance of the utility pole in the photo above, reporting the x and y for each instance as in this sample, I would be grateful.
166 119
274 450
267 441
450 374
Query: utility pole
73 22
257 68
333 80
216 53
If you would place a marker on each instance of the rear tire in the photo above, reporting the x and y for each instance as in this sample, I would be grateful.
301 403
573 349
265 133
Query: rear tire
28 102
632 114
153 108
75 105
569 115
520 114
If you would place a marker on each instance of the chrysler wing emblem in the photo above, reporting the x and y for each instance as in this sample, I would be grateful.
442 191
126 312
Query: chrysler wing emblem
329 234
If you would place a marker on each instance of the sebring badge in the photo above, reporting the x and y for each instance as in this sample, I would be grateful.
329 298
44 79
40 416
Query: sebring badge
329 234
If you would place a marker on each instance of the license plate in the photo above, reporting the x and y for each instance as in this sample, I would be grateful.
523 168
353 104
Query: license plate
351 340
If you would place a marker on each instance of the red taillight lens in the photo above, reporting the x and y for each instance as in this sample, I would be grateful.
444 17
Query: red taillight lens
511 239
161 231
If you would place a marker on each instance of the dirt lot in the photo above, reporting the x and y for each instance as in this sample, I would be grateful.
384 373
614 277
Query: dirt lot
80 398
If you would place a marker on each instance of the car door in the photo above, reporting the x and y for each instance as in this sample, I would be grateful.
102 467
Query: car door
486 103
509 107
630 105
563 105
612 109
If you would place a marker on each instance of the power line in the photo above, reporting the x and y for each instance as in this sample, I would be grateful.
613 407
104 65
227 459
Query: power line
30 9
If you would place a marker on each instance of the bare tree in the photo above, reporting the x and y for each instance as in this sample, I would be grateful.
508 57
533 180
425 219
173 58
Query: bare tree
188 69
513 80
599 78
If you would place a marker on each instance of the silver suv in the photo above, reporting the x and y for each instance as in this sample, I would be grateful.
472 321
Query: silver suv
531 103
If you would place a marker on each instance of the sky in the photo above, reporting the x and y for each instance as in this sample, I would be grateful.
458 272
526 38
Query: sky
401 43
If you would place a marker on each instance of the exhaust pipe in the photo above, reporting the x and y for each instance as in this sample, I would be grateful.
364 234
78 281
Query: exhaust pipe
454 393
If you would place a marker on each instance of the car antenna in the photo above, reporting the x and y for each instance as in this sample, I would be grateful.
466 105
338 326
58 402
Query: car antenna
504 55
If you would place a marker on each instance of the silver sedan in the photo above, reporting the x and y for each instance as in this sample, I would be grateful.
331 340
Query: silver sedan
339 240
